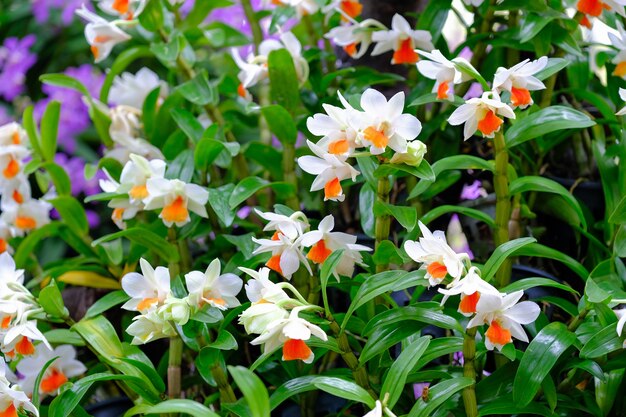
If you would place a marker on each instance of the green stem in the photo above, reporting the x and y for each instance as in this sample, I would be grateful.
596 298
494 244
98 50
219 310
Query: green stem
227 394
289 170
503 205
173 367
358 372
257 33
469 371
383 222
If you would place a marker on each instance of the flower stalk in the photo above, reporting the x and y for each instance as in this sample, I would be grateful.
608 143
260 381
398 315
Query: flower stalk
383 222
469 371
173 367
503 205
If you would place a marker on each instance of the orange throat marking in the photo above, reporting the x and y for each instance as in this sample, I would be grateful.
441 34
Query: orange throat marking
53 381
520 97
405 54
376 137
437 270
469 302
294 349
442 90
497 334
332 189
490 123
319 252
176 211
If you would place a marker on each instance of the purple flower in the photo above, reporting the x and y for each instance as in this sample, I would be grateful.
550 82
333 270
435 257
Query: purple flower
15 61
42 8
473 191
458 359
418 389
74 112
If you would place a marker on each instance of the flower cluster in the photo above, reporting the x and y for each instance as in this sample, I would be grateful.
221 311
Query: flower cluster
380 126
291 237
485 114
594 8
142 186
23 343
161 310
268 316
478 299
20 212
15 61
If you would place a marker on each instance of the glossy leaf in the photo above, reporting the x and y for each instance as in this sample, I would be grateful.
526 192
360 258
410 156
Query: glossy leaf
501 253
72 213
437 212
283 79
89 279
527 283
144 238
339 387
281 123
253 389
539 359
396 377
107 302
199 91
438 395
545 121
189 407
603 342
51 301
49 130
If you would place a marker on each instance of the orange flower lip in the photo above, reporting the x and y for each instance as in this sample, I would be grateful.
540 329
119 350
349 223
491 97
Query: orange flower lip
376 137
406 53
332 189
319 252
294 349
497 334
176 211
490 123
437 270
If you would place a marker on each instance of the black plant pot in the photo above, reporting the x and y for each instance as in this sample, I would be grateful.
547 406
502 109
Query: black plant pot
113 407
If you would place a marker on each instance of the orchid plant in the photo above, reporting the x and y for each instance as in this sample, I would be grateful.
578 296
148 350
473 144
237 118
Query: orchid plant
268 223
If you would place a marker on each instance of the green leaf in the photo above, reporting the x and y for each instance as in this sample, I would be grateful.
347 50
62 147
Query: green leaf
432 98
439 347
536 249
396 377
387 253
64 336
538 360
545 121
72 213
30 242
385 337
51 301
380 283
527 283
501 253
281 123
601 343
505 406
249 186
224 341
107 302
467 68
59 177
284 83
452 163
546 185
423 171
438 395
619 244
188 123
594 293
30 125
122 61
62 80
253 389
339 387
146 238
435 213
406 216
99 333
367 199
206 152
619 214
67 401
218 199
188 407
199 91
532 25
152 16
49 130
422 313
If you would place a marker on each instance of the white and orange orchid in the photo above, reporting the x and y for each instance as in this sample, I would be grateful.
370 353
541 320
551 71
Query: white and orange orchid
414 155
148 327
291 333
383 123
11 157
13 134
28 216
12 397
436 256
101 34
481 114
470 287
125 9
349 9
291 226
210 287
147 290
329 169
519 81
356 37
176 199
261 290
59 372
324 241
622 95
15 191
505 317
403 40
443 71
286 253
